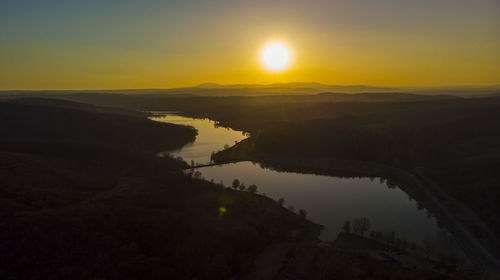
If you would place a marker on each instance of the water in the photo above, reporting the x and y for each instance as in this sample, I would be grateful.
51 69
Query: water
329 201
210 138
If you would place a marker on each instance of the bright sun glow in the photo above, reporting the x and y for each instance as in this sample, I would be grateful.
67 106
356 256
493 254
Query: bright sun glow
276 57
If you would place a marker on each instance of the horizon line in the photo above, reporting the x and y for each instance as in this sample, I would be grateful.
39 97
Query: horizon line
200 85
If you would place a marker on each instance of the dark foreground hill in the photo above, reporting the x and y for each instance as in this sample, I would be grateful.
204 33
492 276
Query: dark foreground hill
58 121
82 197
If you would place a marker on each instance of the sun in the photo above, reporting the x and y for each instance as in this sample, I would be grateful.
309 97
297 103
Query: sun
276 57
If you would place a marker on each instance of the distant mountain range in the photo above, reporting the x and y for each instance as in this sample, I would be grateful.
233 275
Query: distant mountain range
213 89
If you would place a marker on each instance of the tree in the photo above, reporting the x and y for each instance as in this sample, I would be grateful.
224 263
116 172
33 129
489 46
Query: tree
390 237
302 213
404 244
390 184
397 243
242 187
429 245
291 208
361 225
347 227
236 183
413 247
281 201
197 175
252 188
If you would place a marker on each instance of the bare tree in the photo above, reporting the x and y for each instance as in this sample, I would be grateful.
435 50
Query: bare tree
302 213
428 246
347 227
197 175
413 247
390 237
361 225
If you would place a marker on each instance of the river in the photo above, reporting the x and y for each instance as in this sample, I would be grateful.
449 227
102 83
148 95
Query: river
329 201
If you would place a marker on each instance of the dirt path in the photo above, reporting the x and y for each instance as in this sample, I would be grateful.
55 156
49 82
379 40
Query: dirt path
268 264
295 259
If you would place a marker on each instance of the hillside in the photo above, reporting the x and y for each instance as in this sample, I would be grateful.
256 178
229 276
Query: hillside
32 121
83 197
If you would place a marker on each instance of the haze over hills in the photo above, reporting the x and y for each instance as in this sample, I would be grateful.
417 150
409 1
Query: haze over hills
296 88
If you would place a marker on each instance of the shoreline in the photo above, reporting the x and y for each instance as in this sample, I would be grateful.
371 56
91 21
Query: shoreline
415 184
412 182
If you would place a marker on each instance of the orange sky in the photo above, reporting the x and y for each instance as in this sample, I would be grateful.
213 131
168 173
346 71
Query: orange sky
94 44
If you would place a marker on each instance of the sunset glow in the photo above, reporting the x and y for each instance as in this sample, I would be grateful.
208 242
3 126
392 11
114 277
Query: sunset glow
57 44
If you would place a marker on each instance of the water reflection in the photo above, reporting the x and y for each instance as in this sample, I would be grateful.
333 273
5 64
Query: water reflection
331 201
210 138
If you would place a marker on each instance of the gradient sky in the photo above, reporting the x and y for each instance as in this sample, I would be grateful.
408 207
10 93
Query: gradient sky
104 44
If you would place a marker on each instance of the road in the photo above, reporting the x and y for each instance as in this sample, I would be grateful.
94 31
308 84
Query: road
459 231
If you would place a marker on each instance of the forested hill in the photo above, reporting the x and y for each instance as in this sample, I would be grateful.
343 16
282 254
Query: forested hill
82 196
34 121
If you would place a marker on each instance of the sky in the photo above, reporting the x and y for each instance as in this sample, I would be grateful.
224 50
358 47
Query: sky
116 44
